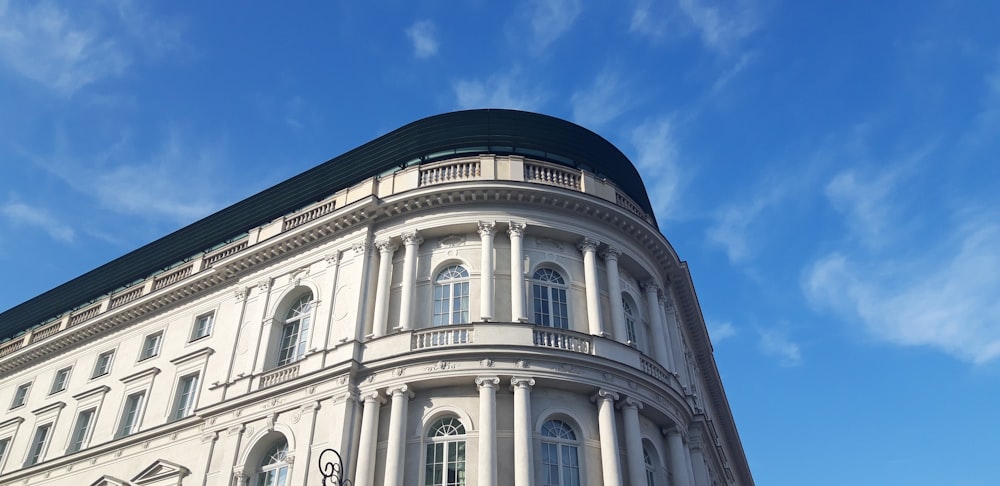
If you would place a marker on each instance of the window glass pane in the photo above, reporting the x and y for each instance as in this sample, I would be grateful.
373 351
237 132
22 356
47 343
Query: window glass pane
81 430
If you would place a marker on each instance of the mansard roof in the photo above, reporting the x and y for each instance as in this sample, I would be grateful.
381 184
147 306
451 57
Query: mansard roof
434 138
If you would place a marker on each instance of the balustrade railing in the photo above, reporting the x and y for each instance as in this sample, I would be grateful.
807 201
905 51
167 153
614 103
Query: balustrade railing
213 257
655 370
125 297
84 315
172 277
442 337
11 346
44 332
562 340
309 214
279 375
450 172
556 176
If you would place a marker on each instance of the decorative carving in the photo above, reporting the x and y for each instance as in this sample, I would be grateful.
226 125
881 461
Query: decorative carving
331 259
234 430
548 244
569 369
608 376
451 241
209 437
631 402
486 363
411 238
521 381
611 254
248 430
311 389
296 416
386 246
632 385
522 364
403 390
264 285
487 229
650 287
270 421
240 293
398 371
603 394
515 229
487 381
441 365
588 245
361 247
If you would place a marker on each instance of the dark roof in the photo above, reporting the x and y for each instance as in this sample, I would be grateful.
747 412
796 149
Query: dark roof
494 131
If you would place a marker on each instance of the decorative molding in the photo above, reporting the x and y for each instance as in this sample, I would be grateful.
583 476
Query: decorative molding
604 394
386 246
101 390
487 381
202 353
549 244
240 293
487 363
515 228
146 373
521 381
611 253
361 247
411 238
451 241
588 244
486 229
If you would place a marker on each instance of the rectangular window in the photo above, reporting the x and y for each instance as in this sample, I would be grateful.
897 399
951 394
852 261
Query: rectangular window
38 445
60 381
20 396
151 346
130 414
81 432
103 365
4 444
187 390
202 326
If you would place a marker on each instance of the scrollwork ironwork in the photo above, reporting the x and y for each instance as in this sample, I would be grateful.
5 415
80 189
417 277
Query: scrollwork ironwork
332 469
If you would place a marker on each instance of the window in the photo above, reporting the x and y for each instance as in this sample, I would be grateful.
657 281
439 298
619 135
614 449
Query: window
20 396
560 463
37 449
151 346
650 469
445 463
549 298
451 296
4 444
129 423
274 467
187 390
60 381
81 431
295 331
629 320
202 326
103 365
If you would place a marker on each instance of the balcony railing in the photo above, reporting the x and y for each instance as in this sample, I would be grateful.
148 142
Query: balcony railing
562 340
442 337
279 375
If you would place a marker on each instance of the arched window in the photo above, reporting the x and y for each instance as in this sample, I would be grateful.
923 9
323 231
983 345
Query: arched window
274 466
650 469
560 455
548 290
295 331
630 317
451 296
445 463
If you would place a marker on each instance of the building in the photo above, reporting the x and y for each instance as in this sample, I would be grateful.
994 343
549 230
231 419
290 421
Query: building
480 297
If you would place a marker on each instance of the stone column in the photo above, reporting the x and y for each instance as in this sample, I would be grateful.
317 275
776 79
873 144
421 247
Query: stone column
386 248
396 448
676 345
524 462
615 290
659 339
411 242
365 469
633 441
678 457
486 230
487 429
589 249
611 465
516 233
697 456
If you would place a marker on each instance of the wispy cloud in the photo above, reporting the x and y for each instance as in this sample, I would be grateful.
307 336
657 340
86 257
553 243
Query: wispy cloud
604 100
776 342
423 35
547 21
721 331
945 298
864 201
721 26
22 214
498 91
656 157
734 226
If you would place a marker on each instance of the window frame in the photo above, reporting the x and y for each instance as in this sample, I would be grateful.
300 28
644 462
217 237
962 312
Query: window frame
20 395
39 444
553 291
457 440
63 383
444 297
268 466
561 445
134 417
79 439
200 332
97 373
145 352
4 449
295 329
184 398
631 317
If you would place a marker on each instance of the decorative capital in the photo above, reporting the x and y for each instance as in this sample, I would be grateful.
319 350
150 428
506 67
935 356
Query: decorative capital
631 402
240 293
361 247
411 238
588 245
603 394
399 391
515 229
492 382
370 397
522 382
487 228
650 286
386 246
668 303
611 254
332 259
264 285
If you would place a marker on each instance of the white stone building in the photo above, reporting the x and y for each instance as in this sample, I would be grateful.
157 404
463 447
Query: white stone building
477 298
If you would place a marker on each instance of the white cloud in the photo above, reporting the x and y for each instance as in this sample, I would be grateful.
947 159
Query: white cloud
604 100
500 91
734 225
548 21
720 331
864 201
776 343
945 298
423 34
656 158
20 213
721 26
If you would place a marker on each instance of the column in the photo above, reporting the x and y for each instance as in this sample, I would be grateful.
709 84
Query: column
656 322
396 448
411 242
697 456
679 470
516 233
524 465
676 347
365 470
487 429
615 293
486 230
633 442
611 466
386 248
589 249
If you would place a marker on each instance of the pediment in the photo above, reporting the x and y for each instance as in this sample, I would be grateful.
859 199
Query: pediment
109 481
160 471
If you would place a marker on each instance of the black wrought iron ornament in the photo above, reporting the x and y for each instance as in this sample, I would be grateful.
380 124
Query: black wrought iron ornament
332 469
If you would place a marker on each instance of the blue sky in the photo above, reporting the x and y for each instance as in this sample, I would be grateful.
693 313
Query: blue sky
828 169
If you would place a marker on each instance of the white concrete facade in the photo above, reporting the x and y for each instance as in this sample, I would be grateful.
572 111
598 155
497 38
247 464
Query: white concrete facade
490 350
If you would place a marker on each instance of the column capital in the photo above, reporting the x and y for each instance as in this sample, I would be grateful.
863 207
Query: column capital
667 302
631 402
411 238
673 430
372 396
603 394
522 382
487 382
650 286
400 390
385 246
515 229
611 254
588 245
487 228
361 247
